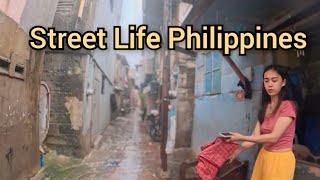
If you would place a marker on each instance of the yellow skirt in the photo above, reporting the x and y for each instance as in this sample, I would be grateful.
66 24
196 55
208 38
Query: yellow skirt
274 166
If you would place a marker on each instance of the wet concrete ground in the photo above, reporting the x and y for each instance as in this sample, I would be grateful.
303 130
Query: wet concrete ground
126 153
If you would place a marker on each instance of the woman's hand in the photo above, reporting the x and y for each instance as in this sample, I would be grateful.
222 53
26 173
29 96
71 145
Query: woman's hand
236 137
234 155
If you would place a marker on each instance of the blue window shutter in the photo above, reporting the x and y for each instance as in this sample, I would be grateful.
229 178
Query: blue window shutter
216 73
216 79
208 82
208 62
216 60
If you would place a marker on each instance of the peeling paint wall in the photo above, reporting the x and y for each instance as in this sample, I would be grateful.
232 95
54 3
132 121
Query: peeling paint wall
19 125
64 75
185 106
74 107
80 108
19 92
222 112
81 80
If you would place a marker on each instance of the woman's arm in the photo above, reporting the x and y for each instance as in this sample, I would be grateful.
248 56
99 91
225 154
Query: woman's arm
246 145
280 126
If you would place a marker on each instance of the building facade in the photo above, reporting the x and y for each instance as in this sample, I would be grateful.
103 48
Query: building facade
20 71
81 82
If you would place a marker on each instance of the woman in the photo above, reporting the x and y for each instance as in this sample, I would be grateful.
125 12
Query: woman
275 128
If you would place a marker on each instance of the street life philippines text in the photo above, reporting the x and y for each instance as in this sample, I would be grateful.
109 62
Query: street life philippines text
211 37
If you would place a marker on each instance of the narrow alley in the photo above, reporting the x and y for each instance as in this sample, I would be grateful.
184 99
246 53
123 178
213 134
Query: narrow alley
158 89
126 152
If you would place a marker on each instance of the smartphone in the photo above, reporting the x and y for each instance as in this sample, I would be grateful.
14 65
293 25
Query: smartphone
225 134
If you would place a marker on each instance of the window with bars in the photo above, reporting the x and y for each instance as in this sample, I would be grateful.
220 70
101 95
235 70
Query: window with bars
212 73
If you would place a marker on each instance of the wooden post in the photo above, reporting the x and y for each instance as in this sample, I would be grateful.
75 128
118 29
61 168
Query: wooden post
165 57
234 67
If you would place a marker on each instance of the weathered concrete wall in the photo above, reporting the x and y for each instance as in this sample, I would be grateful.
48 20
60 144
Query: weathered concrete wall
100 73
185 104
13 8
89 90
153 10
23 12
97 106
19 90
66 16
106 14
80 106
87 101
64 74
222 112
35 9
104 18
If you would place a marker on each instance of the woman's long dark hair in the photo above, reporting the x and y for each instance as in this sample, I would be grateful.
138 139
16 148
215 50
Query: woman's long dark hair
286 93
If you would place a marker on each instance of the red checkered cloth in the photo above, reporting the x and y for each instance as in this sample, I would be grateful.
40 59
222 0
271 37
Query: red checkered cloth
213 155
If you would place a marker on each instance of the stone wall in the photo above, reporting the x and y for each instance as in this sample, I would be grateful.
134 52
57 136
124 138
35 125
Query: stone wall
64 74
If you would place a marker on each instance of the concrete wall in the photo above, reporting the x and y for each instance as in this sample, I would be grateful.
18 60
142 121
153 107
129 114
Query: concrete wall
19 138
105 16
222 112
185 104
66 16
23 12
101 72
87 101
80 106
85 78
96 109
19 89
64 75
35 9
153 9
13 8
